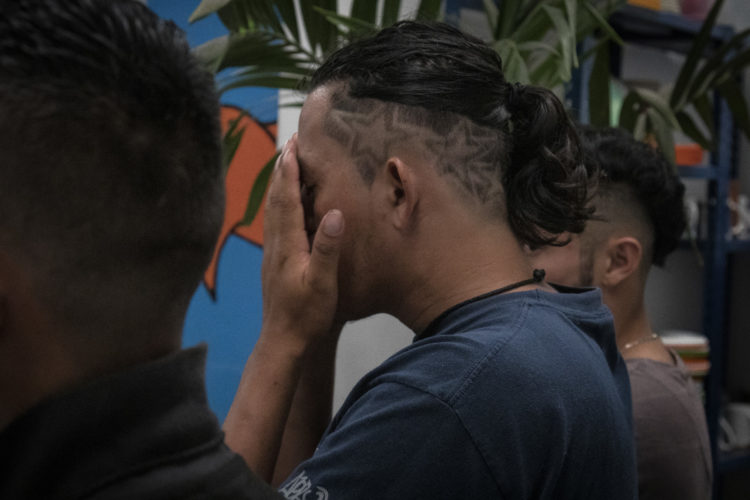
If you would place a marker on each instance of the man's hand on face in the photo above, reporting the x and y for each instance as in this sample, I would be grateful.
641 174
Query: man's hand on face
299 279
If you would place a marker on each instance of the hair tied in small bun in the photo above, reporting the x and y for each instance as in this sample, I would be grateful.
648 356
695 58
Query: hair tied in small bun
515 94
513 102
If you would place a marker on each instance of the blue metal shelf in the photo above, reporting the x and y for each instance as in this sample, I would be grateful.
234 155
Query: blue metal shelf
697 171
671 32
661 30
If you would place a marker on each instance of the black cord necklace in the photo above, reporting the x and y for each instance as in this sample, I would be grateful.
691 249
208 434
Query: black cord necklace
536 277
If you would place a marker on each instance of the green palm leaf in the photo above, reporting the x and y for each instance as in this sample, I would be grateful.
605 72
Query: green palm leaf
429 10
206 8
365 10
390 12
599 94
514 64
687 72
346 24
258 191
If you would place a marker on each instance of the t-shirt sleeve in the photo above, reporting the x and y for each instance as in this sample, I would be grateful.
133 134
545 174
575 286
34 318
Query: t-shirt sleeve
395 441
673 462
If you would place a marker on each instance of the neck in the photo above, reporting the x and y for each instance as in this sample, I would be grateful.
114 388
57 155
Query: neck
632 325
469 265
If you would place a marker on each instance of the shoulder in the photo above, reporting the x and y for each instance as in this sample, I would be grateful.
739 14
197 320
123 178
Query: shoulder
666 403
364 451
660 388
212 473
549 341
498 388
666 406
670 431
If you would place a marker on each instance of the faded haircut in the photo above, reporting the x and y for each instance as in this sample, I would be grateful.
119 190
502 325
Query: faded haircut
639 184
110 144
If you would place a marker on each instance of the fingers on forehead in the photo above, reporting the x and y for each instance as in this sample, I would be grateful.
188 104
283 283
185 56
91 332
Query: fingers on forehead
284 199
283 172
290 170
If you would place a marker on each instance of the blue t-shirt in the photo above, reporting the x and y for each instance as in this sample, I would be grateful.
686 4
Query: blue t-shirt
515 396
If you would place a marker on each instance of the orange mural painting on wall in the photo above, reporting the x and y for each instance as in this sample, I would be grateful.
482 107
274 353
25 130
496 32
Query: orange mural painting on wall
251 162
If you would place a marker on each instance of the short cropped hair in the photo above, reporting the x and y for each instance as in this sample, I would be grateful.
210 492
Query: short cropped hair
512 147
634 171
109 156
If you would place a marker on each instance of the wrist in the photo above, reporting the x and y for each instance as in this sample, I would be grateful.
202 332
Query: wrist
279 341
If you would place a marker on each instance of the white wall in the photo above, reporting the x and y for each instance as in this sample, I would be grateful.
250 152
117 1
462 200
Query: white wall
363 346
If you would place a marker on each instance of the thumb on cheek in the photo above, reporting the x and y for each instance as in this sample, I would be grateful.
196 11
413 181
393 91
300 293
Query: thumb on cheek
333 223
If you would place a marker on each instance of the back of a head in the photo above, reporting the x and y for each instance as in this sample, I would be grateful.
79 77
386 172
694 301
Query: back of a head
511 147
637 182
110 144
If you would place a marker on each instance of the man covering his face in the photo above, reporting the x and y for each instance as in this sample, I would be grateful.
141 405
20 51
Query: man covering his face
417 176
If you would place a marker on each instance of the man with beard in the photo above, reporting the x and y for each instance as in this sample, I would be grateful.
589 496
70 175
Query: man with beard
640 218
417 176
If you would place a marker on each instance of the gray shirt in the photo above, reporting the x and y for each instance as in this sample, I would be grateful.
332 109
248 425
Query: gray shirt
672 447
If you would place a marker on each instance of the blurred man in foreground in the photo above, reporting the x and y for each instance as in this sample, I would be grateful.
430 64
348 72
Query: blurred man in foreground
111 199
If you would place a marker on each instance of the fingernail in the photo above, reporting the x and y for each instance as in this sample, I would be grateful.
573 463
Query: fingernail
333 223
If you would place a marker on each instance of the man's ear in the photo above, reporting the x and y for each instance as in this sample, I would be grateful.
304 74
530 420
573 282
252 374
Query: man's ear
403 195
623 258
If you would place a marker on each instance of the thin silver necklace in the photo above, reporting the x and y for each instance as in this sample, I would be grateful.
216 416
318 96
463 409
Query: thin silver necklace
648 338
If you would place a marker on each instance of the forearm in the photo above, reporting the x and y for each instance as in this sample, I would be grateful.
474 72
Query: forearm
259 412
310 412
299 303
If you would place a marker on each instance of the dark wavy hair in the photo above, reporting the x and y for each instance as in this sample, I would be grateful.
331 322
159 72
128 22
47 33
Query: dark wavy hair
444 73
628 164
110 155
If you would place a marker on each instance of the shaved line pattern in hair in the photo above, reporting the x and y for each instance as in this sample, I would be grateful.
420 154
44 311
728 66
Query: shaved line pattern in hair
373 130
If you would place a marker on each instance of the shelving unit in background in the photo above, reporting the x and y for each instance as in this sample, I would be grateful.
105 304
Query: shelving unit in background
671 32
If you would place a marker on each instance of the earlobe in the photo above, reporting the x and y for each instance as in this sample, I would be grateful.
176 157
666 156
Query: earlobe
402 196
623 259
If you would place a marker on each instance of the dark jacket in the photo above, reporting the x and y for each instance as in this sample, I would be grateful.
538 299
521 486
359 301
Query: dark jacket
144 433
